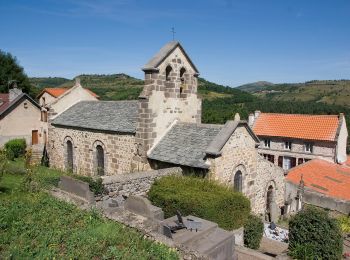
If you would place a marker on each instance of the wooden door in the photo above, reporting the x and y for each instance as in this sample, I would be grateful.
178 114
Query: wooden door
35 137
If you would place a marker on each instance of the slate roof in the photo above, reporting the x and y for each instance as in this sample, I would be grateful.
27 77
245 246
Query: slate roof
163 53
331 179
111 116
185 144
311 127
225 133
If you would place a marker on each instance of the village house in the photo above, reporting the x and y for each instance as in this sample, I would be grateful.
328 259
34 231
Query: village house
19 118
57 100
288 140
321 183
161 129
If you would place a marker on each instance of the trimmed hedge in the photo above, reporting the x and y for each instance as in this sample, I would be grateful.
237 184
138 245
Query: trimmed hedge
202 198
314 235
15 148
253 232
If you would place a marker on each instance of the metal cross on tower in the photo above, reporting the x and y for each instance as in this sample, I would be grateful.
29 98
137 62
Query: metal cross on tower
173 32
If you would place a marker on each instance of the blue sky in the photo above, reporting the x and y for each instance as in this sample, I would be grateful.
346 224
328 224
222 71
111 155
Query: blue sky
231 42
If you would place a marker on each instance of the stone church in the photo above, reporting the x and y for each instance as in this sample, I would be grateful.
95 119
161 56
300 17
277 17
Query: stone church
162 129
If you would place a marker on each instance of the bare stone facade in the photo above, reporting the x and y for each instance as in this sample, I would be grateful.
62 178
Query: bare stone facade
169 94
240 157
118 150
168 109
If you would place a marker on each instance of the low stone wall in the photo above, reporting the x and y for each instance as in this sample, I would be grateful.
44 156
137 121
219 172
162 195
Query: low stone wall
314 198
137 183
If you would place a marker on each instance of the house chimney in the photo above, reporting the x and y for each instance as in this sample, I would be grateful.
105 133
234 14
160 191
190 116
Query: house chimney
237 117
251 119
14 92
257 114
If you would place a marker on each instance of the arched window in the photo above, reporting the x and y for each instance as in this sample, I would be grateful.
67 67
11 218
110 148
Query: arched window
269 197
238 182
167 72
100 160
69 156
182 74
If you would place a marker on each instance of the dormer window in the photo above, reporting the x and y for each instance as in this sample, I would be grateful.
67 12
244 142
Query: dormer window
288 145
308 147
167 72
267 143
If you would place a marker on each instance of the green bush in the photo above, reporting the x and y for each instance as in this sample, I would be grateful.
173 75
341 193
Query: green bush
15 148
202 198
314 235
253 232
95 185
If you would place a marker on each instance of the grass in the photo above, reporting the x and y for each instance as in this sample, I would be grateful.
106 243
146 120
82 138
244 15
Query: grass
34 225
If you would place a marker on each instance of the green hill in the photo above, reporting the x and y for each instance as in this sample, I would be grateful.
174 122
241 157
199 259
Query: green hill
47 82
255 86
331 92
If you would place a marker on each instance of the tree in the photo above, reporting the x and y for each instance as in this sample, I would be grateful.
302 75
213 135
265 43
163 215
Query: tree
10 70
314 235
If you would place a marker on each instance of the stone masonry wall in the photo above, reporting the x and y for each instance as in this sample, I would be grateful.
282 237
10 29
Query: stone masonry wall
165 100
268 174
240 154
118 150
137 183
322 150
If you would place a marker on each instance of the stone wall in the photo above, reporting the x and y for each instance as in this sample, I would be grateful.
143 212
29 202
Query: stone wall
240 154
119 150
268 174
313 198
165 100
322 150
137 183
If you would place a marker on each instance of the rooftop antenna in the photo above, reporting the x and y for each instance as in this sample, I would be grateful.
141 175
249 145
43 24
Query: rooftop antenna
173 32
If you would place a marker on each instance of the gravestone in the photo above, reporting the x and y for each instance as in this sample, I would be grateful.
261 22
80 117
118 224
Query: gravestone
142 206
77 187
274 212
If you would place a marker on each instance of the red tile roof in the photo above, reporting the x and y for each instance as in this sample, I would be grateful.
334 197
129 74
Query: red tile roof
56 92
311 127
325 177
4 103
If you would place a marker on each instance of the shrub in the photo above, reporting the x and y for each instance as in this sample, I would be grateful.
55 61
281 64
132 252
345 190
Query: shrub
202 198
253 232
95 185
15 148
344 222
313 234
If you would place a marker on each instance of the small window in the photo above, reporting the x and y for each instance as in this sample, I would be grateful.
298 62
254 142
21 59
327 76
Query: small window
182 75
44 116
167 72
25 105
267 143
288 145
308 147
238 182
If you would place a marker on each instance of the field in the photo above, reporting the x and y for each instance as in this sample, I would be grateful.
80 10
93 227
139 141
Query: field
34 225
